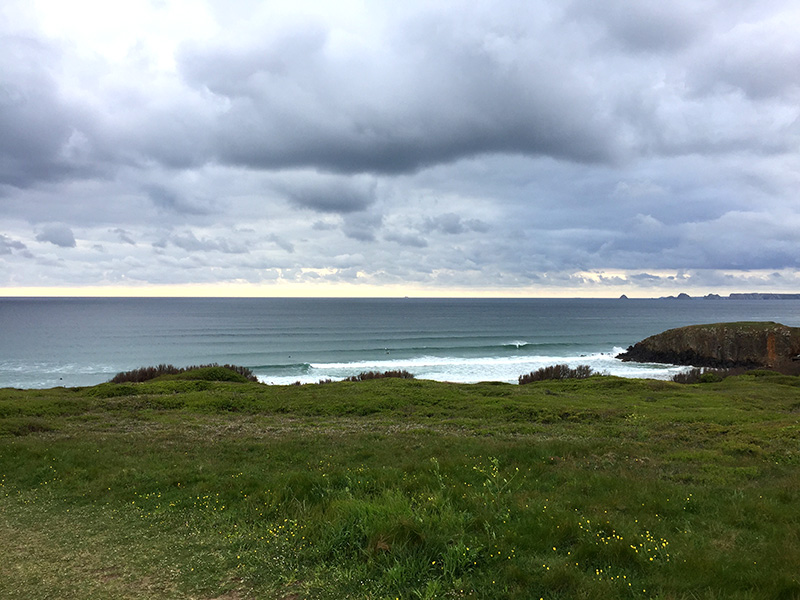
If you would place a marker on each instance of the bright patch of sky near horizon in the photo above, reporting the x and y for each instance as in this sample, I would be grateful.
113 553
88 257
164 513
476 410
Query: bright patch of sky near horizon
351 148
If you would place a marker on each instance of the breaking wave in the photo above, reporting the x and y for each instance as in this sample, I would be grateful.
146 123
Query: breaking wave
469 369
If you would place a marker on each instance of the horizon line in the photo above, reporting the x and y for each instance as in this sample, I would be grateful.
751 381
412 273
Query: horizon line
445 296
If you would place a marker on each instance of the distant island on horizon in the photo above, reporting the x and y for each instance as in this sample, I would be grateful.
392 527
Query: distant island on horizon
739 296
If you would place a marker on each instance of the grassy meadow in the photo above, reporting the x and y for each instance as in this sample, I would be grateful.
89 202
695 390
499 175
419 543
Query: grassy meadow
396 488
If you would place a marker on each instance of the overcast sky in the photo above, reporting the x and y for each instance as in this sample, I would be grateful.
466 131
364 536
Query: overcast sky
577 148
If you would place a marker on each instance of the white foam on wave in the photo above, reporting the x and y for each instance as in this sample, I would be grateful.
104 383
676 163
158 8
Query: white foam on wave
43 374
475 369
421 362
517 343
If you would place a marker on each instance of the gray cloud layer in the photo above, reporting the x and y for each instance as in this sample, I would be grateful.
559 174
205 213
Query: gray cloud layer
486 146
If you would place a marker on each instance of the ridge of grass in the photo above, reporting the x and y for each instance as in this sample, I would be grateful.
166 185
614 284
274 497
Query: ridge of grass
396 488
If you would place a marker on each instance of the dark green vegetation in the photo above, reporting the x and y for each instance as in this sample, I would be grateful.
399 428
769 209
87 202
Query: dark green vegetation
380 375
398 488
707 375
212 372
557 372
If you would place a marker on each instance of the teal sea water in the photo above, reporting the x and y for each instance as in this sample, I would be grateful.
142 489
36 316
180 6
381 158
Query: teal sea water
46 342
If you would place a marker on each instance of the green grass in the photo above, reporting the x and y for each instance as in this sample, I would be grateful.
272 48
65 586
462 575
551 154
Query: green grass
391 488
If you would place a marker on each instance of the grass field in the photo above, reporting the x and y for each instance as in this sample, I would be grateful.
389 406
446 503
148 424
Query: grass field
597 488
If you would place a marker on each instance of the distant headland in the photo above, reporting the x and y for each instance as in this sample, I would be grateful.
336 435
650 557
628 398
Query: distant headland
745 296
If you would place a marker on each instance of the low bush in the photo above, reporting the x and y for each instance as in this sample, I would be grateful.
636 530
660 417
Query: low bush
705 375
216 373
209 372
377 375
557 372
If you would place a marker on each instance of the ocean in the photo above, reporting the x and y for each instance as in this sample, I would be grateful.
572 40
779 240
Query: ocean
48 342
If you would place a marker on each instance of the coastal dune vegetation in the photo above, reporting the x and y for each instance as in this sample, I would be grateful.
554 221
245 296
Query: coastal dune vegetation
205 485
557 372
211 372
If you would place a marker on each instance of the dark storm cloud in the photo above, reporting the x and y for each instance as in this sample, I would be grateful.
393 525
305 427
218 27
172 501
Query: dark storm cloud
292 103
540 83
536 85
41 130
58 234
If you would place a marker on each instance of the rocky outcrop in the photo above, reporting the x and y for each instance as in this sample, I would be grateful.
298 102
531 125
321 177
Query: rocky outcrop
762 296
721 345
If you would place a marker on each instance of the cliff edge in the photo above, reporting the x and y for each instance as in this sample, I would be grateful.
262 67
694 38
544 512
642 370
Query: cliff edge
720 345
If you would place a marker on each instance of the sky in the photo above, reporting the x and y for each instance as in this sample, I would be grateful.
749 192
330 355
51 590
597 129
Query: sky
376 148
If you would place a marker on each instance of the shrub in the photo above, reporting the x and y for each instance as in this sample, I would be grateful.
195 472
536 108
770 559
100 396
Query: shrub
144 374
705 375
216 373
211 372
557 372
377 375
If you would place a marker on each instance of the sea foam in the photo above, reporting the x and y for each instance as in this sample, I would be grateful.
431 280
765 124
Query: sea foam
476 369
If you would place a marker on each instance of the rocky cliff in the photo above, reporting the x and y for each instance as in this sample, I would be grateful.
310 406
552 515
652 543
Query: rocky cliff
746 344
